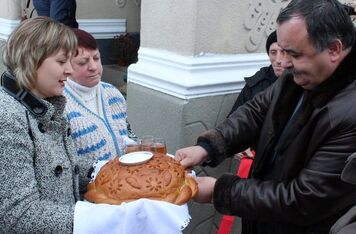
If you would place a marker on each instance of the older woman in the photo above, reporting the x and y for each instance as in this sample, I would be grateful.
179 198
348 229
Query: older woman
38 169
96 110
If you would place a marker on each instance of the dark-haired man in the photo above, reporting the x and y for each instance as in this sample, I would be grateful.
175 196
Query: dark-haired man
304 127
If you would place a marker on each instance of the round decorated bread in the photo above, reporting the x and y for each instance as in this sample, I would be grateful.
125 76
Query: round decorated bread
161 178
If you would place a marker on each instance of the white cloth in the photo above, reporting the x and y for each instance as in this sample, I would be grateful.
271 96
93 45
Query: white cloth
142 216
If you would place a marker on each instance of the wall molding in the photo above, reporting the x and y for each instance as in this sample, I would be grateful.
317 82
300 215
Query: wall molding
189 77
103 28
99 28
6 27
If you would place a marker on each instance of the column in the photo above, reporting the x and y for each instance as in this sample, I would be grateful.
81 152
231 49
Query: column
192 61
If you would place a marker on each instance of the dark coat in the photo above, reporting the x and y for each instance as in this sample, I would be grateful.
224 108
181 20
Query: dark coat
347 223
255 84
295 184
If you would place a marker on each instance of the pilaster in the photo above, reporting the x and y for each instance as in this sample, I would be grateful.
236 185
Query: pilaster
194 55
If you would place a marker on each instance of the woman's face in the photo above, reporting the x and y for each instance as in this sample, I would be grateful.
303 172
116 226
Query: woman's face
87 67
52 74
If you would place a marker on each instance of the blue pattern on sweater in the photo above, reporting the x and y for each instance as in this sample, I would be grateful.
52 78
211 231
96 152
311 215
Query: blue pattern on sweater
73 114
112 130
123 132
84 131
106 156
119 116
92 148
115 100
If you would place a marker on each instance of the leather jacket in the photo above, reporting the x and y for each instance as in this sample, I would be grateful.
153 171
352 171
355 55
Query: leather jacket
294 185
255 84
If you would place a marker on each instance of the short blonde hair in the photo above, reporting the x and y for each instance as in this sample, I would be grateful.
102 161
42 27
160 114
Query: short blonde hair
31 43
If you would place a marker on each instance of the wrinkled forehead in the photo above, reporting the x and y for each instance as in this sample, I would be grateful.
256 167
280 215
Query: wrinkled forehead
275 46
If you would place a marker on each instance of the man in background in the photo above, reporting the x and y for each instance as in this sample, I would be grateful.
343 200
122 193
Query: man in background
60 10
265 76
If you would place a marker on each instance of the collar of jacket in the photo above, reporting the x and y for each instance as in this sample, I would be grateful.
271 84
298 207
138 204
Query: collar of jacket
343 75
34 105
265 73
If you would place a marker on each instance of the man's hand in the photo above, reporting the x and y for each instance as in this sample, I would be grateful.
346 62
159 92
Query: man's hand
191 156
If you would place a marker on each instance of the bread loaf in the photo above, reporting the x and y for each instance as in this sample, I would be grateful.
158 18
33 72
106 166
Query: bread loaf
161 178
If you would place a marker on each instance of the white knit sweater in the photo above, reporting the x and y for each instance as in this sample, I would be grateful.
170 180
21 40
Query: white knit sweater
97 117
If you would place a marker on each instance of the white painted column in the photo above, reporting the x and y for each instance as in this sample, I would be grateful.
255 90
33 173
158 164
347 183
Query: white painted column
193 58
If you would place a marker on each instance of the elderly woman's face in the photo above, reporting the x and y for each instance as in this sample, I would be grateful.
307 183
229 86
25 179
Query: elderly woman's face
52 74
87 67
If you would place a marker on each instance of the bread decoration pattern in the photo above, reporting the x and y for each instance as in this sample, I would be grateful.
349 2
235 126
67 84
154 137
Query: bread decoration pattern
162 178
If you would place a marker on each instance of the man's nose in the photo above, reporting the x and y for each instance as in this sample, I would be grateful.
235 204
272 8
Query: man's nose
279 58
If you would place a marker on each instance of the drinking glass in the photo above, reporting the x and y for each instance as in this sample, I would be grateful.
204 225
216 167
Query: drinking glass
133 145
147 143
159 145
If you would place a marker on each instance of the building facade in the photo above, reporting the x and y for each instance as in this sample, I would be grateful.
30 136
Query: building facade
192 60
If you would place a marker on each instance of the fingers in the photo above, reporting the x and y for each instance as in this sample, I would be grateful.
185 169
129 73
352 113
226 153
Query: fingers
191 156
187 163
181 154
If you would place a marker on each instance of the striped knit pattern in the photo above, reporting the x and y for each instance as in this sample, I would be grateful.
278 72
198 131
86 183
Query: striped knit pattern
95 136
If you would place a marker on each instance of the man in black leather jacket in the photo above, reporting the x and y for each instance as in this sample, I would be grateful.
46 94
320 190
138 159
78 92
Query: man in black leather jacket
304 127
